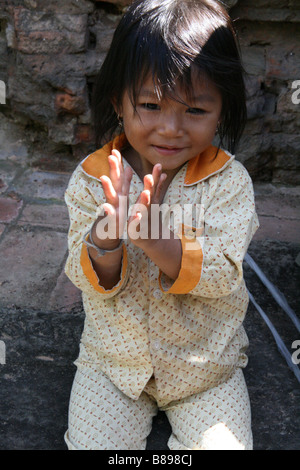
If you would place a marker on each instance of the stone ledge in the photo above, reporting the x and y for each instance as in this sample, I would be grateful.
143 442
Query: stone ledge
9 209
42 185
30 265
54 216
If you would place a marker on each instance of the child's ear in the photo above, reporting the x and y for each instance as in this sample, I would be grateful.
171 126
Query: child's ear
117 107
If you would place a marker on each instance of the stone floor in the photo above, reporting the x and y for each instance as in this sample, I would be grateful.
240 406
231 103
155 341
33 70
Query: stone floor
41 316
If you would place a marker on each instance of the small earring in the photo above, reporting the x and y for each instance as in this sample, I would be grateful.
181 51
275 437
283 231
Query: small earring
120 121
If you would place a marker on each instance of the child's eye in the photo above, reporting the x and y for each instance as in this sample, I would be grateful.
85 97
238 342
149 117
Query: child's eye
196 111
150 106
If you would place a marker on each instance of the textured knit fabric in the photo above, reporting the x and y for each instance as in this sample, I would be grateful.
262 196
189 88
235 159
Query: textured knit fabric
187 333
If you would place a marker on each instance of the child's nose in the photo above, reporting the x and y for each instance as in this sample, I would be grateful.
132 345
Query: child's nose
170 125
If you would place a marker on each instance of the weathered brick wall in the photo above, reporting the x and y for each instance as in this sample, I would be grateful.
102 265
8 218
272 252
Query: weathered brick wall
51 51
269 33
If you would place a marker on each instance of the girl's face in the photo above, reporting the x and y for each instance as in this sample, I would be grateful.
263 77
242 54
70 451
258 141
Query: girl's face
170 130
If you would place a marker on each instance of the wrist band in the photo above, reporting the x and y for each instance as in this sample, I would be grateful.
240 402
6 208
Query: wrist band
100 251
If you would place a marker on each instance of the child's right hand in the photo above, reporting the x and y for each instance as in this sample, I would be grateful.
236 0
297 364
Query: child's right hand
115 186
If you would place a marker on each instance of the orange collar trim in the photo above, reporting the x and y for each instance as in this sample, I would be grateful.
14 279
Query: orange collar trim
206 164
199 168
96 164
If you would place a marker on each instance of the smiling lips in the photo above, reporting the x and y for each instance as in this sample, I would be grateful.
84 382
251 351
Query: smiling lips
167 150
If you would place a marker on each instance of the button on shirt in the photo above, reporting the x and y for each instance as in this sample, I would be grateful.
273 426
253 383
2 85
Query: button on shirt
156 345
157 294
186 333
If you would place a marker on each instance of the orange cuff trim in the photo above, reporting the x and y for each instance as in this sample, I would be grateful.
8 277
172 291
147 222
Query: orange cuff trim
89 272
189 275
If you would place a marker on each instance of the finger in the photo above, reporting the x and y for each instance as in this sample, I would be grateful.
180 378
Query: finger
117 154
156 198
109 209
128 173
109 190
115 171
145 198
149 183
140 208
156 173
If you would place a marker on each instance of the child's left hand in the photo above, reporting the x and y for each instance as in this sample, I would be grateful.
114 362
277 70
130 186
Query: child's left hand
140 226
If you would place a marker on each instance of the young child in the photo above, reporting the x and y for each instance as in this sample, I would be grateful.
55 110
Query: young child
163 290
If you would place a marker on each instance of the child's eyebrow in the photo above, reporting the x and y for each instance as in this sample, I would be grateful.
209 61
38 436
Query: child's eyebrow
202 98
148 93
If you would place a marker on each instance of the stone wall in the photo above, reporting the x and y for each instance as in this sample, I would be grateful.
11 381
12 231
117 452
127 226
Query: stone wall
270 40
51 51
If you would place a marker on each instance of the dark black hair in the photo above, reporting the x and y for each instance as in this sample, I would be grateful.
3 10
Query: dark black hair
171 39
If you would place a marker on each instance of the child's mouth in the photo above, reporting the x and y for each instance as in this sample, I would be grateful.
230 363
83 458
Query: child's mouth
167 150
